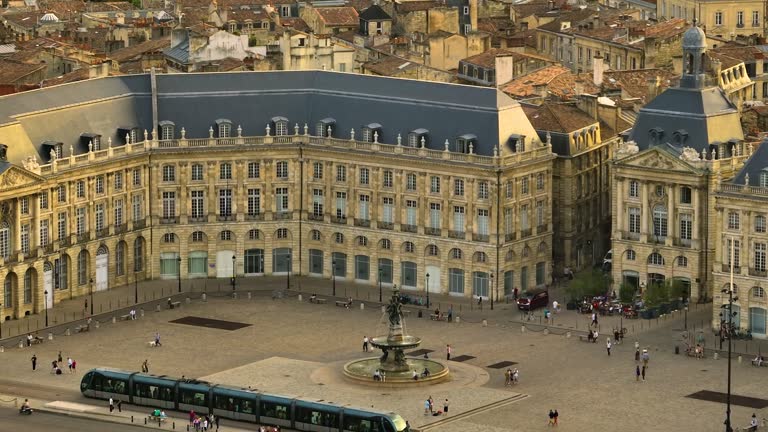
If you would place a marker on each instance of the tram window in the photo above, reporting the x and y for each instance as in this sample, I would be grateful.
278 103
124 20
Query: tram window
274 410
234 404
315 417
357 424
388 426
190 397
86 381
120 387
114 386
166 394
96 382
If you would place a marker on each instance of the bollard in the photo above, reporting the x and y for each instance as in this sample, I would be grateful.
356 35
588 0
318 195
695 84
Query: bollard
114 319
174 425
2 349
205 297
157 309
546 331
677 350
189 300
50 336
715 356
362 306
300 297
457 319
383 309
567 335
68 332
142 312
485 323
145 420
98 324
234 295
131 419
522 328
739 360
249 295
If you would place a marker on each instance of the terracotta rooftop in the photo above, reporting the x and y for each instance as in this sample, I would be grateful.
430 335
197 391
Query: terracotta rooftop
558 81
62 8
635 82
110 6
726 61
296 24
488 58
23 19
558 117
666 29
743 53
134 51
224 65
413 6
389 66
338 16
13 71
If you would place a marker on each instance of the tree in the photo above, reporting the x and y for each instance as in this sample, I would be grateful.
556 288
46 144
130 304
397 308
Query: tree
626 293
587 283
656 294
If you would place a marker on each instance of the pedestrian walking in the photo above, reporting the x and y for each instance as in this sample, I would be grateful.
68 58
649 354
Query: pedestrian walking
637 354
74 366
445 407
608 346
426 406
111 404
86 303
431 405
69 364
365 343
643 372
217 422
448 350
59 358
551 418
645 358
515 293
145 366
556 416
450 313
205 425
157 339
637 372
191 416
119 405
34 362
480 303
594 319
508 377
515 376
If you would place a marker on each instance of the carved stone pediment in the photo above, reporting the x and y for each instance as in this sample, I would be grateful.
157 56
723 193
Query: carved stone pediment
15 177
657 159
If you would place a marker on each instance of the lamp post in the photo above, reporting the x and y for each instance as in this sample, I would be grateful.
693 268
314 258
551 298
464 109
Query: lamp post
427 290
91 286
136 287
178 271
380 274
492 290
45 306
288 273
1 321
731 299
333 275
233 272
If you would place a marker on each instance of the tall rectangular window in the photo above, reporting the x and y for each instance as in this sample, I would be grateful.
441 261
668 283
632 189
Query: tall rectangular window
117 207
80 222
411 209
740 19
99 184
254 202
317 170
660 221
79 189
524 222
509 189
136 208
169 173
99 214
434 215
254 170
169 205
24 205
482 222
509 220
44 201
736 252
434 184
539 213
61 193
341 205
634 220
718 18
136 176
118 180
410 182
482 190
458 187
225 171
733 220
225 202
686 225
365 207
317 202
365 176
198 203
43 232
341 173
389 210
62 226
760 250
634 189
685 195
281 170
755 18
458 218
524 186
387 180
197 172
281 200
25 239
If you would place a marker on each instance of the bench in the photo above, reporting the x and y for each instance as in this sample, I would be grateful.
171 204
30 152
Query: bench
586 339
37 340
176 305
764 363
319 301
125 317
156 419
406 312
436 317
82 328
343 304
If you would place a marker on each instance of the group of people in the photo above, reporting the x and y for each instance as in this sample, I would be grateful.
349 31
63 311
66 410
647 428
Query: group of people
511 376
56 365
380 375
553 415
430 409
132 314
592 336
203 423
33 339
644 357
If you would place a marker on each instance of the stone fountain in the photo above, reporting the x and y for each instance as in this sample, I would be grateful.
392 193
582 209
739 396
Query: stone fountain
397 368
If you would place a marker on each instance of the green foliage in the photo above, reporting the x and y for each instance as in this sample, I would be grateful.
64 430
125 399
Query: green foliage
656 294
677 290
252 41
587 283
626 293
137 3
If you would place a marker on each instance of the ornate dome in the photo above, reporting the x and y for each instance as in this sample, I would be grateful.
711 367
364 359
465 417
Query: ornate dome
695 38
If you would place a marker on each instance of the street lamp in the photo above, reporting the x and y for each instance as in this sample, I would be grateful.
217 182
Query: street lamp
333 275
380 273
288 273
91 286
427 290
45 306
731 299
1 322
493 290
233 272
178 271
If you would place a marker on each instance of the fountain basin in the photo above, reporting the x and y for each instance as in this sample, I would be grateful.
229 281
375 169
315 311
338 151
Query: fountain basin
361 371
398 342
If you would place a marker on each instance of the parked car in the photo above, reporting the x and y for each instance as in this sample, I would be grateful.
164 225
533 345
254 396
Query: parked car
533 299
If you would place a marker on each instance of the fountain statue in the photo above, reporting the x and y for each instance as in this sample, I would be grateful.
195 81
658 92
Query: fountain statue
393 362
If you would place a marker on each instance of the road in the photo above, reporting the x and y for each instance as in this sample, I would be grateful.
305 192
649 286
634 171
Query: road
42 422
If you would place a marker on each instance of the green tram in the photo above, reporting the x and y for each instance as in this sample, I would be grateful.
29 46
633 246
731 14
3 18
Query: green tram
235 403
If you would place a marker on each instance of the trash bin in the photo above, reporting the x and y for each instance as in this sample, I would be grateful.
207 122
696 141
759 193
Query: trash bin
677 349
420 314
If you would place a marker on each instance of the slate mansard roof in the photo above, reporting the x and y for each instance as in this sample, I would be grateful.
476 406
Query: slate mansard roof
250 99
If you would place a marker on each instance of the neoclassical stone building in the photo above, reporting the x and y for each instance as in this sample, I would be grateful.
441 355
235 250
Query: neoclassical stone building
314 173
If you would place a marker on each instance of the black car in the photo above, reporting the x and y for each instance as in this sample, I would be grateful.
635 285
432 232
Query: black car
531 300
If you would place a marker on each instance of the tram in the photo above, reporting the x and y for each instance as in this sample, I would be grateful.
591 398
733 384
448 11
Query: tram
161 391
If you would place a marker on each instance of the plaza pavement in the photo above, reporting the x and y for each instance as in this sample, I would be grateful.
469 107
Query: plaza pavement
298 348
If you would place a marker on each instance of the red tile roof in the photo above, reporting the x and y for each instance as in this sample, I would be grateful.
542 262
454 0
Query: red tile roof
338 16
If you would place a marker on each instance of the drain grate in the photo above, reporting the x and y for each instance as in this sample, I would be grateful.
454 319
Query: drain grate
502 365
420 352
462 358
745 401
210 323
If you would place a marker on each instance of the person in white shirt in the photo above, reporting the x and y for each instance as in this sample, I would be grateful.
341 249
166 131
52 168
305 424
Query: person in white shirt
556 306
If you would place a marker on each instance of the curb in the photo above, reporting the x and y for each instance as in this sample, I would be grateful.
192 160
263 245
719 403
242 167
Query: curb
96 417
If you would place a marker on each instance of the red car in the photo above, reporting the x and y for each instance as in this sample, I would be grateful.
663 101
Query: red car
531 300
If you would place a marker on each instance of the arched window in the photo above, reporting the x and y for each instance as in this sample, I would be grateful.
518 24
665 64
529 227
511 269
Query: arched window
138 254
362 241
681 261
456 253
29 278
169 238
660 221
655 259
526 252
481 257
224 127
82 267
338 238
120 259
198 236
8 290
226 235
167 130
764 177
510 255
386 244
542 248
758 292
281 233
316 235
280 126
408 247
432 250
631 255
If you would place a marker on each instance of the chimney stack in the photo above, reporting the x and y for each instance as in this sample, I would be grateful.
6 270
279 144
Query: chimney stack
598 67
653 88
473 14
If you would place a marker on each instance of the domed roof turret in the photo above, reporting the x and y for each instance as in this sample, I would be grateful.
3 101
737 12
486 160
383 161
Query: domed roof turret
49 18
694 38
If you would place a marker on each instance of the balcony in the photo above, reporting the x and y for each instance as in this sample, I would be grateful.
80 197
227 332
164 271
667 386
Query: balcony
756 272
315 217
480 237
683 242
104 232
169 220
461 235
627 235
283 215
341 220
385 225
408 228
727 269
541 229
47 249
84 237
119 229
432 231
254 217
525 233
64 242
139 224
510 237
197 219
365 223
225 218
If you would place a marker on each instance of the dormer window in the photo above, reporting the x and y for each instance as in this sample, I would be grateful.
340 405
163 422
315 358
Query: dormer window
370 130
415 137
126 133
463 143
657 135
732 148
88 138
764 177
516 143
167 130
280 126
224 127
321 128
56 146
679 137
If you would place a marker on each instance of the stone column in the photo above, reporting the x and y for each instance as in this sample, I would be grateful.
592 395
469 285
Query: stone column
644 212
619 211
671 216
696 223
